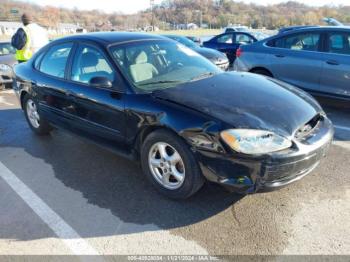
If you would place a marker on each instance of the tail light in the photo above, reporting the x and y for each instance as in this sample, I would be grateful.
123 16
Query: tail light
239 52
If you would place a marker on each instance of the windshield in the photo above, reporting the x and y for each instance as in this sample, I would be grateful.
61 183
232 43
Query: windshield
154 65
6 49
183 40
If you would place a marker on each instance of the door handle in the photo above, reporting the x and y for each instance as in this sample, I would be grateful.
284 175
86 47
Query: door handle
279 55
332 62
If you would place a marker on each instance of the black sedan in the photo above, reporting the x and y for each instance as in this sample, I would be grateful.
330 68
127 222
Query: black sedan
149 98
230 42
216 57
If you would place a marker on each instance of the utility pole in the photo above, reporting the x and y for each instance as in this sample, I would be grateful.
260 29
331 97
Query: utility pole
152 10
200 12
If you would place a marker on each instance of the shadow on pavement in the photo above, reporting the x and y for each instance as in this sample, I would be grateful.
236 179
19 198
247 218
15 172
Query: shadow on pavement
109 181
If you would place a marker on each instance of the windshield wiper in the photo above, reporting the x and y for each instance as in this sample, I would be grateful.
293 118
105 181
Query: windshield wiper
160 82
202 76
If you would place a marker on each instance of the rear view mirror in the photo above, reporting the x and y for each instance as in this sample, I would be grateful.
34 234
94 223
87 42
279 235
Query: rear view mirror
100 81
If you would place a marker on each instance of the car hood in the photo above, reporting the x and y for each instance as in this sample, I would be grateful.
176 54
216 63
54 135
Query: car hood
245 100
211 54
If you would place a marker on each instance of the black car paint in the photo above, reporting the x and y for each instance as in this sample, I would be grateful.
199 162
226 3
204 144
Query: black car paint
228 49
120 119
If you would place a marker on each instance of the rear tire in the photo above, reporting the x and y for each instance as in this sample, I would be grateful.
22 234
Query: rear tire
263 72
170 165
39 125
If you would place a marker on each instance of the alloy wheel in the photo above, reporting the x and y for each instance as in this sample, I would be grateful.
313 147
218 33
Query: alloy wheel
166 165
33 114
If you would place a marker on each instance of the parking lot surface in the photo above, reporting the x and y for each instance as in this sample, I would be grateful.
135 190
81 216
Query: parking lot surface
60 195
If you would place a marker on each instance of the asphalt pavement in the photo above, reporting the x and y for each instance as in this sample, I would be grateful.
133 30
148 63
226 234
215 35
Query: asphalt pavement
60 195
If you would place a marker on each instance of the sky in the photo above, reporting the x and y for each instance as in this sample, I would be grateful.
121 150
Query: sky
132 6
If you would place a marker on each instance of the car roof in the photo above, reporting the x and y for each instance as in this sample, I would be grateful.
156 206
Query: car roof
107 38
318 28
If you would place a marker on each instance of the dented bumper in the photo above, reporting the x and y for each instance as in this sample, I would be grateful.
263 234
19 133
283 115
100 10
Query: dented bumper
267 173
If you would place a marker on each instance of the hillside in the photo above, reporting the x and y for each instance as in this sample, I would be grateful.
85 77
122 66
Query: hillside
215 14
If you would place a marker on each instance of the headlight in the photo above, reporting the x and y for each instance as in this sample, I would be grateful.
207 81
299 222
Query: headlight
251 141
4 67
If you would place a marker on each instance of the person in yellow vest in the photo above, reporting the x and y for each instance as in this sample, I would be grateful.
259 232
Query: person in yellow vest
36 37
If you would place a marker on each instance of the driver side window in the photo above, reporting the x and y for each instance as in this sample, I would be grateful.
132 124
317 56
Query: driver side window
89 63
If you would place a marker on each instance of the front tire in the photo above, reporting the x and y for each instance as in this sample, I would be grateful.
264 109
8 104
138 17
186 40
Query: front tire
39 125
170 165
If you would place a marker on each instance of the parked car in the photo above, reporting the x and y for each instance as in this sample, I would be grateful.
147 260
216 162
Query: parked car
291 28
149 98
231 29
228 43
259 35
315 59
195 39
216 57
7 61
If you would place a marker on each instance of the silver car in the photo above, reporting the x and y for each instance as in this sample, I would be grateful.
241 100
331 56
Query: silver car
7 61
316 59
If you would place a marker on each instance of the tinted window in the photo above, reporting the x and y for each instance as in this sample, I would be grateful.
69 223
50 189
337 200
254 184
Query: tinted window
225 39
304 42
339 43
55 60
88 63
243 39
184 40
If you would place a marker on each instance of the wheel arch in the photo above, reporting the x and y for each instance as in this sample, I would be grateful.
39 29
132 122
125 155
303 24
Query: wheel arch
21 98
260 68
146 131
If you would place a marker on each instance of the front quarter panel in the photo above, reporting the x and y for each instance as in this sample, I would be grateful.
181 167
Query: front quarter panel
144 113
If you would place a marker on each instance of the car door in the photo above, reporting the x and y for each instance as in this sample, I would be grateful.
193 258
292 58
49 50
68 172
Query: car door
224 44
296 59
50 84
336 64
98 110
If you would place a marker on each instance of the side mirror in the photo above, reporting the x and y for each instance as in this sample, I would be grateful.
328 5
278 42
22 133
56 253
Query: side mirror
100 81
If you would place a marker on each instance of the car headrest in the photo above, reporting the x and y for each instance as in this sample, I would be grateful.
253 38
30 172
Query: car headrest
141 58
89 59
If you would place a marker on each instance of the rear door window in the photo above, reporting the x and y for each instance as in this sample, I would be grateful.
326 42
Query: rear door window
300 42
55 60
339 43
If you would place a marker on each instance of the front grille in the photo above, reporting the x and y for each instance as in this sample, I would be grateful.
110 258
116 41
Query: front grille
307 130
223 66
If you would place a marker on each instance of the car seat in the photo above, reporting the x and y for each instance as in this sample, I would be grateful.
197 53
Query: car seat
141 70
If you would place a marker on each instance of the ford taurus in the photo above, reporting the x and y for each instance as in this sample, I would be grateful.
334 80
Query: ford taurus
154 100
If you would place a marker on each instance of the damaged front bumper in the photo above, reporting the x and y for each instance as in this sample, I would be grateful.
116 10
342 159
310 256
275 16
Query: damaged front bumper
246 174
